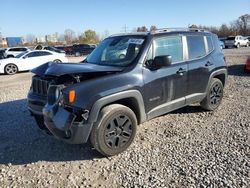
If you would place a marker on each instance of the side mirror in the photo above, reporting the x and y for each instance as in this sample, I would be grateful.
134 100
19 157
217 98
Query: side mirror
162 61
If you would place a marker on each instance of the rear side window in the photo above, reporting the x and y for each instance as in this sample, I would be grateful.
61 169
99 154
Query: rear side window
14 50
196 47
44 53
22 49
33 54
210 44
18 49
169 46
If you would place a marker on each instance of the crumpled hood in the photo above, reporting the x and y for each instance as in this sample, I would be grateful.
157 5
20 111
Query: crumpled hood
59 69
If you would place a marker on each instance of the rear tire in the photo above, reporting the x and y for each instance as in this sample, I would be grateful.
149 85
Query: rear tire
114 130
214 95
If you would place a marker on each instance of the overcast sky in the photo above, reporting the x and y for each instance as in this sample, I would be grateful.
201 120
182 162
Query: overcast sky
18 18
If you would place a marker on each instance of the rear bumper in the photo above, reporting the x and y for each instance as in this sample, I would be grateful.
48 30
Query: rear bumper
60 122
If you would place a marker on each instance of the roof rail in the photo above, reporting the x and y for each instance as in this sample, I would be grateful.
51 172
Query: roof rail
163 30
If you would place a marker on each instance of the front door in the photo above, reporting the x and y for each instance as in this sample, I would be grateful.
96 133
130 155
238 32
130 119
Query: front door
165 88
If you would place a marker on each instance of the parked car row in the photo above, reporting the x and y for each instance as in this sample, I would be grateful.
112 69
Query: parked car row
77 49
235 41
50 48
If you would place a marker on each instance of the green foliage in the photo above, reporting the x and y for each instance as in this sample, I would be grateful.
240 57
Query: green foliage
142 29
89 37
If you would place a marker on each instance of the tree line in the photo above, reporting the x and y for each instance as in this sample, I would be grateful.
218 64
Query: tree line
240 26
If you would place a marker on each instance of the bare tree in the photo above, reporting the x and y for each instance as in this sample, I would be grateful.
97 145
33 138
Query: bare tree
243 23
193 26
69 36
142 29
153 28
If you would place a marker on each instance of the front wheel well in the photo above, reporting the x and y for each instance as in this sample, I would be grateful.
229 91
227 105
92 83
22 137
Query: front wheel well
132 104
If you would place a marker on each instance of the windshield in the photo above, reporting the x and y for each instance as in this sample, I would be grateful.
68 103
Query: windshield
21 54
116 51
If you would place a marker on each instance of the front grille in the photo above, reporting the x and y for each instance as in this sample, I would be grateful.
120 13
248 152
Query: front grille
40 86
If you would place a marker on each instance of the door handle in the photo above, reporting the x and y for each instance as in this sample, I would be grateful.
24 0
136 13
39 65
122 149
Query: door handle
208 64
181 71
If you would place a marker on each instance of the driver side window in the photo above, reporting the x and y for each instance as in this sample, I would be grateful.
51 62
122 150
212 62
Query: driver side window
170 45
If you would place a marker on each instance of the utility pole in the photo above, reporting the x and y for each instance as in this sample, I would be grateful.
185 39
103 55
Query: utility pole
125 28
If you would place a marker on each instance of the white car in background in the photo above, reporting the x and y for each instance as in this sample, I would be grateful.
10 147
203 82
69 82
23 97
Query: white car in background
236 41
29 60
13 52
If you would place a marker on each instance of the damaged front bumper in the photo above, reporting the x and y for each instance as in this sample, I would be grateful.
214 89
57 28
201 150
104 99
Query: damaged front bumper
62 123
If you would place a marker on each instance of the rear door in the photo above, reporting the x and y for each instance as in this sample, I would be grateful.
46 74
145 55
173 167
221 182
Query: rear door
200 63
46 57
169 83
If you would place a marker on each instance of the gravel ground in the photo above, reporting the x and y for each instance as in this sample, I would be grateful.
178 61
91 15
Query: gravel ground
186 148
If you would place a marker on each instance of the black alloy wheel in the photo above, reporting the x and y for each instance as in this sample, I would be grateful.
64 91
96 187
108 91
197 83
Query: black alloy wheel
114 130
118 131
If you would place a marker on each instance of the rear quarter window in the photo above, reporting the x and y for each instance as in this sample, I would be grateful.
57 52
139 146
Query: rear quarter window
210 44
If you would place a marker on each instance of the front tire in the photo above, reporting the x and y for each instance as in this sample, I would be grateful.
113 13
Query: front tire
214 95
114 130
10 69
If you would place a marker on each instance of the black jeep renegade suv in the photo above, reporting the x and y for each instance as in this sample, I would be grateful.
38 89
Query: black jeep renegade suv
127 80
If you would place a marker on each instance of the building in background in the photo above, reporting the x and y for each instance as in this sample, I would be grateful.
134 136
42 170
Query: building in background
14 41
3 42
41 40
52 38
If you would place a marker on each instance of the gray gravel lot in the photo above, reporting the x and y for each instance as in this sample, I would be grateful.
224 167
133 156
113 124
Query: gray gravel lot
186 148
